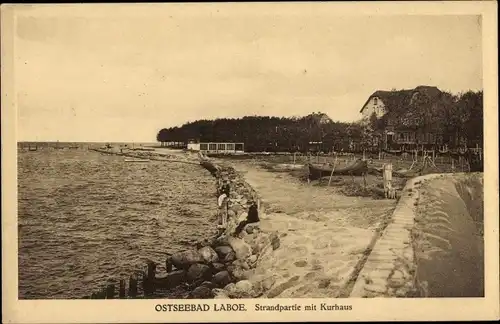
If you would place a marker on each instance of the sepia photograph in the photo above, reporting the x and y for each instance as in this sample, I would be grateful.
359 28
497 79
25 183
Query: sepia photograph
176 152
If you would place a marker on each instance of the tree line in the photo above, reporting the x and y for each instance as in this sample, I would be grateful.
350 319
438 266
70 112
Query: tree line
454 116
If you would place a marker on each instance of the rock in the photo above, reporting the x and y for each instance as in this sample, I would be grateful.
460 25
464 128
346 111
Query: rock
242 235
300 264
237 209
231 213
241 264
275 241
208 284
375 288
230 267
183 260
230 257
229 288
249 239
323 283
203 243
218 267
249 228
201 293
243 289
241 249
283 286
395 283
239 273
268 282
221 241
208 254
171 279
219 293
221 278
260 243
223 250
198 272
252 259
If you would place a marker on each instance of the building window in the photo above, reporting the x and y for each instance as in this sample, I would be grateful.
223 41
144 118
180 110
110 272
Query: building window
230 147
375 101
239 147
203 146
431 138
221 147
212 147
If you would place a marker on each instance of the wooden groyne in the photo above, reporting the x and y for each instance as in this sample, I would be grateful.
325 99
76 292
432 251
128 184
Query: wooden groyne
145 155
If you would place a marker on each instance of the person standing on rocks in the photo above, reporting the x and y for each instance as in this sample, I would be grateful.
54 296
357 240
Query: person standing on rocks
225 188
223 209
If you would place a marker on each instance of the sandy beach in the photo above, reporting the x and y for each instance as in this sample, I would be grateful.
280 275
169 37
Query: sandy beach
323 235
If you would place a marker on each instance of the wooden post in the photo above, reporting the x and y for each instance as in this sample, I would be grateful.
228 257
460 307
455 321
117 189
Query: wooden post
151 274
101 294
121 293
294 154
132 287
168 264
110 291
387 179
331 174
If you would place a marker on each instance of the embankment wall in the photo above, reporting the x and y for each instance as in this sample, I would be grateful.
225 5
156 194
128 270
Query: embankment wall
433 245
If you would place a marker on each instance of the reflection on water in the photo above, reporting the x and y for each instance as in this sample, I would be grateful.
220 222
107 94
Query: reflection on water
86 218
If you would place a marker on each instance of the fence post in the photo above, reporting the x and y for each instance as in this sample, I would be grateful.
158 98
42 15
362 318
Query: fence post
121 293
388 180
132 287
110 291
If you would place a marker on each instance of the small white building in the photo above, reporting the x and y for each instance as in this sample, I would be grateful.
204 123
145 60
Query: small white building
216 147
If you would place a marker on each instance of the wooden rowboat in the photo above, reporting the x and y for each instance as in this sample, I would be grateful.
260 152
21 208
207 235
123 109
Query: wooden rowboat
359 167
393 152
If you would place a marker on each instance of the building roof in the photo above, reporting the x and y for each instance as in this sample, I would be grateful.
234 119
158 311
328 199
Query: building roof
402 97
320 117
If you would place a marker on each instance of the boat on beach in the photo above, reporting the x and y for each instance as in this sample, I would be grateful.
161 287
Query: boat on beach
357 168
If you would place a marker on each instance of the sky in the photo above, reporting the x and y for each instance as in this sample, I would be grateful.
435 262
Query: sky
122 74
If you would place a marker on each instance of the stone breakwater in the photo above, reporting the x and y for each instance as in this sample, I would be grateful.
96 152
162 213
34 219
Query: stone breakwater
221 267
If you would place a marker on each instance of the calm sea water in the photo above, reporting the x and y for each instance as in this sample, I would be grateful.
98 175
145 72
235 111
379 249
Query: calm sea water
85 218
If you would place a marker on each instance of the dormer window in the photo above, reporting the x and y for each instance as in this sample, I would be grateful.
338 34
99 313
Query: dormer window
375 101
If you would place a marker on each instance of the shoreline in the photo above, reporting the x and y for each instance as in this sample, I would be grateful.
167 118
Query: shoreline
216 267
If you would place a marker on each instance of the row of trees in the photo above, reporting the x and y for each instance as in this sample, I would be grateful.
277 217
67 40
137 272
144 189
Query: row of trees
453 115
262 133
